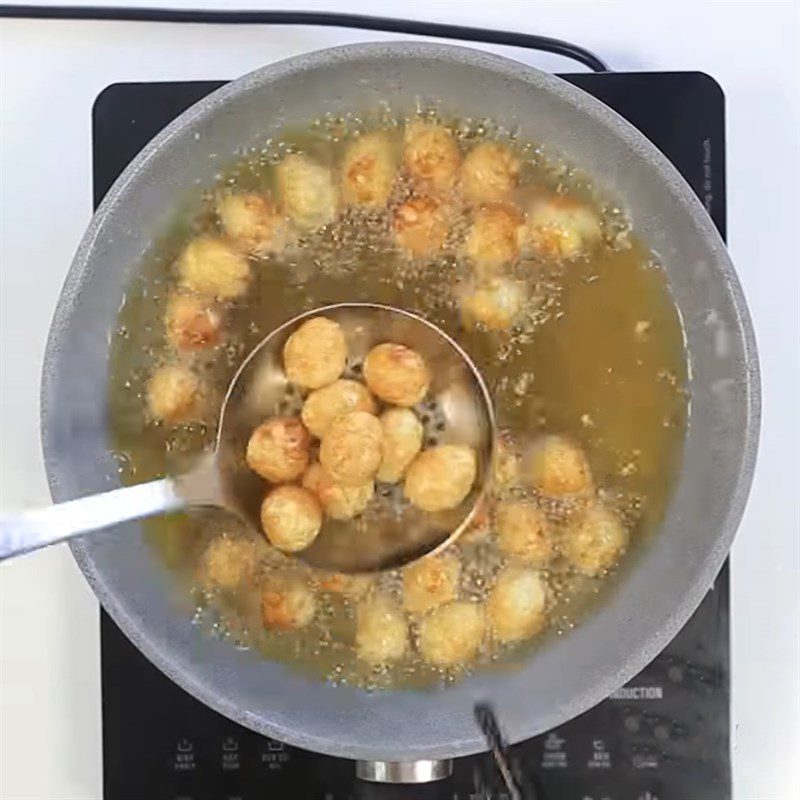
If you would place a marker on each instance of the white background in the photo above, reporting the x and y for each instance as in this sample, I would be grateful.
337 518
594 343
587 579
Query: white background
51 73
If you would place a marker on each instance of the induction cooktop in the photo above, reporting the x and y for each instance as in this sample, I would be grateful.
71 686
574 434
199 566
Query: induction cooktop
664 736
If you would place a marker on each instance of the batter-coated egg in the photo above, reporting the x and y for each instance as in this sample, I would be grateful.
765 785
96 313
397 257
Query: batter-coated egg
278 449
253 223
451 635
560 228
489 173
440 478
523 532
430 155
421 224
353 587
287 602
493 239
227 563
431 582
368 171
327 404
192 321
381 630
397 374
558 467
495 304
402 440
595 540
212 266
516 605
351 451
307 191
338 502
175 394
291 517
315 354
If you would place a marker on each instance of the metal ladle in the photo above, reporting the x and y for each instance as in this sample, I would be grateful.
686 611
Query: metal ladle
390 533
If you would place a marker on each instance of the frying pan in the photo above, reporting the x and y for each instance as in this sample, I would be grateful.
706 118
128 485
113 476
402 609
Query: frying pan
663 581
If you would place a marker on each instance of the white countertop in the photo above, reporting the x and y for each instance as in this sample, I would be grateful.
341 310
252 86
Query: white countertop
50 73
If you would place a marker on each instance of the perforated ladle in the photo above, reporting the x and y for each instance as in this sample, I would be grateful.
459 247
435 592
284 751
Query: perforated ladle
457 410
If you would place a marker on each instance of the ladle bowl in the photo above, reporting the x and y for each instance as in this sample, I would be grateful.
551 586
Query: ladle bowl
390 533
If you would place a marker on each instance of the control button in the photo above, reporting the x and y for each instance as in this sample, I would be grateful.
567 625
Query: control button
230 754
553 756
553 741
184 760
275 756
600 758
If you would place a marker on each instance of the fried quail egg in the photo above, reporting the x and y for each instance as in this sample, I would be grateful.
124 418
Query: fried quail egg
253 223
352 450
338 502
558 467
516 604
175 394
278 449
381 630
368 171
441 478
421 225
595 540
315 354
495 304
493 239
560 228
287 602
431 156
489 173
227 563
291 517
430 582
397 374
451 635
212 266
327 404
523 532
307 192
402 440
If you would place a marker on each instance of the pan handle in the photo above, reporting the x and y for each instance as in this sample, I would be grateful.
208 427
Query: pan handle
30 530
416 772
403 780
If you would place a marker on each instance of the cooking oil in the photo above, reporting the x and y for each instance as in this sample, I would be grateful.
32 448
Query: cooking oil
597 353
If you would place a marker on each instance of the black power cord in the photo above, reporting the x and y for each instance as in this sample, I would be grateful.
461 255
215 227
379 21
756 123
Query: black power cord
357 21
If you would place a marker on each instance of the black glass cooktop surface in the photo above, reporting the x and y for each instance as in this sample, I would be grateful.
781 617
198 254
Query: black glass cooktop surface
665 736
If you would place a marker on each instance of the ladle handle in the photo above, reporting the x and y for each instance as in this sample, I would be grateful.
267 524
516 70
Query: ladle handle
30 530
